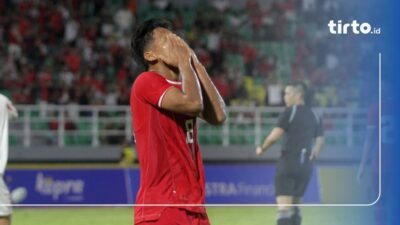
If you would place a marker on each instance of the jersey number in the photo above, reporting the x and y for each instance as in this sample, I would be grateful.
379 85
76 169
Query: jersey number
189 131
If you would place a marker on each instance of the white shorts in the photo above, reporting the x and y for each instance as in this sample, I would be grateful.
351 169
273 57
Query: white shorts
5 199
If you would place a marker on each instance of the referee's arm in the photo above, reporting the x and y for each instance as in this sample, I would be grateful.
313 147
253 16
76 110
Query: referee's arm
275 134
319 141
319 144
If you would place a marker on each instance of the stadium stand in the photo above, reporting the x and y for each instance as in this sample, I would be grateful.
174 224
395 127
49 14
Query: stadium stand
77 52
67 64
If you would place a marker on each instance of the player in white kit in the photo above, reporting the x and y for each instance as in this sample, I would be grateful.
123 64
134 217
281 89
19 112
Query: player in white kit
7 111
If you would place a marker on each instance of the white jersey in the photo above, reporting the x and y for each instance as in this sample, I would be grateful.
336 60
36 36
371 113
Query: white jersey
7 111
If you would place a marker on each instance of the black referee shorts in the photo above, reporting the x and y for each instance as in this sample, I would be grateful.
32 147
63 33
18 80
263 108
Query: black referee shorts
292 178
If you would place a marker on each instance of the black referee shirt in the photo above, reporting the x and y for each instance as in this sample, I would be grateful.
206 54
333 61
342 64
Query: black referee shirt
301 126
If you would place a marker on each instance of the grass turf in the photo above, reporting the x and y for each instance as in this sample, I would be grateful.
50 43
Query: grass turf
217 215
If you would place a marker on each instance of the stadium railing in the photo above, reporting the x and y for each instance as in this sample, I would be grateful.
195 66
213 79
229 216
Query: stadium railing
77 125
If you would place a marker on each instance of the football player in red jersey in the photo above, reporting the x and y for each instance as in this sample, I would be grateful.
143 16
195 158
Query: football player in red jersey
165 101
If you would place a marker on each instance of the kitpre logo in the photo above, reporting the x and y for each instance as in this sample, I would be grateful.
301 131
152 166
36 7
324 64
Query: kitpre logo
68 188
355 27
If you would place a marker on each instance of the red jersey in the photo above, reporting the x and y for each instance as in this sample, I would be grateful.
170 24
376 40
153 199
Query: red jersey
171 168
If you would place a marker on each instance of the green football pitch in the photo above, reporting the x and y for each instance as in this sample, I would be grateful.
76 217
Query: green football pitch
217 215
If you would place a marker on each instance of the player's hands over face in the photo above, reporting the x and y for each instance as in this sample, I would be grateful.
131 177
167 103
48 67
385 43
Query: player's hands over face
176 52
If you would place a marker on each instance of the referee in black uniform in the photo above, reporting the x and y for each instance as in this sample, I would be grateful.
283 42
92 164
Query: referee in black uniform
302 143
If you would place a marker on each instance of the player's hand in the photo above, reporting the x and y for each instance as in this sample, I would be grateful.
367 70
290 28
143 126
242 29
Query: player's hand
185 53
177 52
259 151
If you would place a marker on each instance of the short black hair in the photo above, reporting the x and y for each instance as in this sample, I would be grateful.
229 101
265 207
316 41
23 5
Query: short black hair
301 87
298 86
143 35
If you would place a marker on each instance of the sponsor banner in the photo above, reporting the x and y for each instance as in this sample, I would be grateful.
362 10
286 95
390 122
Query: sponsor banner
134 180
248 184
242 184
226 184
70 186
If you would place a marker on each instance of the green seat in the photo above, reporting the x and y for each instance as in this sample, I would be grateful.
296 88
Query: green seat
84 126
69 140
39 125
13 140
83 140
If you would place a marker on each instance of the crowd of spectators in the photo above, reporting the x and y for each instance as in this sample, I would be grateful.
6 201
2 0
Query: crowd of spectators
77 52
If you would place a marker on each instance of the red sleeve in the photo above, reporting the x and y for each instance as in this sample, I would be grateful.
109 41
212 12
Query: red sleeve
373 116
150 87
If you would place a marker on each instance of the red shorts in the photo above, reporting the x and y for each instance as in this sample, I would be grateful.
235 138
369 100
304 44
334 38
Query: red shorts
177 216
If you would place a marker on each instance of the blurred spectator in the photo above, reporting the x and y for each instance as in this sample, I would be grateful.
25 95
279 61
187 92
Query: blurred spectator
128 155
73 60
124 20
77 52
71 31
111 96
274 93
222 84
